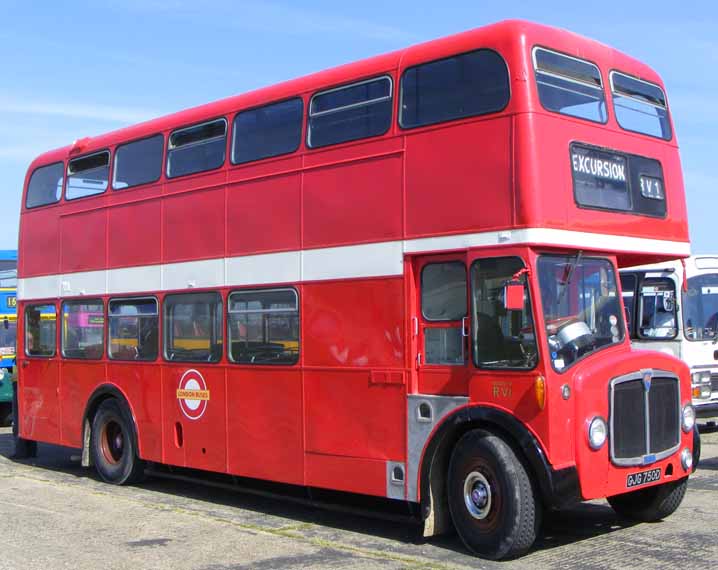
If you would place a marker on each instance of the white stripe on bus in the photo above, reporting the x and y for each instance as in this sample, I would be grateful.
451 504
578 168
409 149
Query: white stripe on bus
383 259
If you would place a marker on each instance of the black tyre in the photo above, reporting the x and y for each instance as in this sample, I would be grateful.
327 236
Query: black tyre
6 414
651 504
492 502
113 445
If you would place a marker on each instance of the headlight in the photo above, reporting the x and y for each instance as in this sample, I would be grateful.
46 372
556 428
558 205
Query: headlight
686 459
597 433
703 377
688 418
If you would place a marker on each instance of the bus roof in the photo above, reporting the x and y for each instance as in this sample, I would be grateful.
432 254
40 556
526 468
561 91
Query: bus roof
506 33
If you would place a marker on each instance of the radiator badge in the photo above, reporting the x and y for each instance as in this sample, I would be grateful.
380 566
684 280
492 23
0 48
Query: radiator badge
647 375
192 394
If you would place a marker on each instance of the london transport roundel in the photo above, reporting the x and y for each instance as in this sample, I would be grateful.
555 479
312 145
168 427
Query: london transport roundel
192 394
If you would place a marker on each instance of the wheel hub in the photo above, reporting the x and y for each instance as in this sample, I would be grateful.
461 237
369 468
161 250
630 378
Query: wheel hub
477 495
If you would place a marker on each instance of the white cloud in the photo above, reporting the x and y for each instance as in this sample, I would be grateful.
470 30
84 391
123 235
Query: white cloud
88 111
270 17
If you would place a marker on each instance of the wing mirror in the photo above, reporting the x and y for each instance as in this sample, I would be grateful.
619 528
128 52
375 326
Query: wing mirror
514 296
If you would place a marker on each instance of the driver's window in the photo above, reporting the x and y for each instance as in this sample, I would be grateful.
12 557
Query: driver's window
193 327
657 311
501 338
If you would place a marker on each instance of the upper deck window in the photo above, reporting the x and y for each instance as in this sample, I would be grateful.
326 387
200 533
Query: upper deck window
45 185
349 113
88 175
466 85
197 148
267 131
569 85
138 162
640 106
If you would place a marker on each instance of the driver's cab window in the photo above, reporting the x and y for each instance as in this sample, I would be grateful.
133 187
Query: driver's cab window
501 337
657 309
443 306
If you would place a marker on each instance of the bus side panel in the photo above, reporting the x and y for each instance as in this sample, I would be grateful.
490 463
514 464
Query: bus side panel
38 400
39 244
248 207
351 474
460 178
83 240
373 213
140 382
133 243
78 380
204 438
266 432
354 323
194 226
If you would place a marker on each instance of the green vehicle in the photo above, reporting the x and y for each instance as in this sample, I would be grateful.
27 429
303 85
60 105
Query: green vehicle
8 330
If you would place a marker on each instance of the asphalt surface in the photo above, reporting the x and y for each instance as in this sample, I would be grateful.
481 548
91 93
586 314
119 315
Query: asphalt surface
56 514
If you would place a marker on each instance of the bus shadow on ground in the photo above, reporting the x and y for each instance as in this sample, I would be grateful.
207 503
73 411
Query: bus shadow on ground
337 511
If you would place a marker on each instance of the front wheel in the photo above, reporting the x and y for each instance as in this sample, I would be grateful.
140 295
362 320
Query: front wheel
491 499
651 504
113 445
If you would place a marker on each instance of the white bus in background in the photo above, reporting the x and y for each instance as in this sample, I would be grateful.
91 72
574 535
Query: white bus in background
673 307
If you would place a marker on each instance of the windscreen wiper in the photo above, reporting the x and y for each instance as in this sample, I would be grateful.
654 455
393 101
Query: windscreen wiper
571 271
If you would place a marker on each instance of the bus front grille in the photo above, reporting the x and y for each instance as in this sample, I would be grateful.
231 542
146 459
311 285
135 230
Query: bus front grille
644 417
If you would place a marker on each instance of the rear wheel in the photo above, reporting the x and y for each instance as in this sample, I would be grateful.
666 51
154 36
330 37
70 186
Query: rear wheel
492 502
651 504
113 445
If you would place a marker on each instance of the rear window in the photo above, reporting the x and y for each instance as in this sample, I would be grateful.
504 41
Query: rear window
474 83
138 162
88 175
196 149
640 106
349 113
45 186
267 131
569 85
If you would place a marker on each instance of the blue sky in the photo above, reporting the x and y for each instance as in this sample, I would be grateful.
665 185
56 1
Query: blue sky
74 69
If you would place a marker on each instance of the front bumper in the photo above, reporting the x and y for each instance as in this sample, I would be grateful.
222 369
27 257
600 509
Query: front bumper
707 410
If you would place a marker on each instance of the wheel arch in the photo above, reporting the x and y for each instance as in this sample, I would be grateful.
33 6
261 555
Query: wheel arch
104 392
555 487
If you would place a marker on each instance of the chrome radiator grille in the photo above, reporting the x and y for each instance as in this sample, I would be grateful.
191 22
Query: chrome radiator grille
645 417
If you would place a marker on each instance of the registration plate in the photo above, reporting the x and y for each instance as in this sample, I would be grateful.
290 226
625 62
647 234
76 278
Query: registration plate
643 478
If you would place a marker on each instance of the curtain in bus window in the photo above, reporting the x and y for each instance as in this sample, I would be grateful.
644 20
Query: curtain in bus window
83 326
45 185
466 85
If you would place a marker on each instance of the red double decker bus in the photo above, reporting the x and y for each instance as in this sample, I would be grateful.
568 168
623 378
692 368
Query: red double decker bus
396 278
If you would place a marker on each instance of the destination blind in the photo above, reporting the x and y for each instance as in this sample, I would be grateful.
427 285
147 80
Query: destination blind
600 178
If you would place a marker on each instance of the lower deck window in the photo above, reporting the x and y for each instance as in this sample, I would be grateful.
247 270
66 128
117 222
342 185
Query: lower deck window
83 327
193 327
133 326
264 327
40 330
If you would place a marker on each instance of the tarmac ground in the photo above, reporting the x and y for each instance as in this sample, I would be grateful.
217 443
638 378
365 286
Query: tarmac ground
57 514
